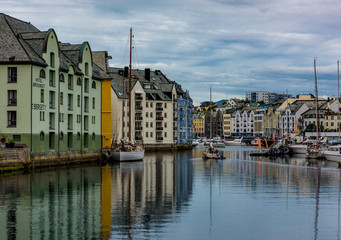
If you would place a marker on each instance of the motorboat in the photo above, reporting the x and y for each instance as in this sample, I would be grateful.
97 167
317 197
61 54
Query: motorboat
333 153
235 142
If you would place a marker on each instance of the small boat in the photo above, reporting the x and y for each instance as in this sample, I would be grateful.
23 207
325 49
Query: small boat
212 155
127 151
235 142
333 153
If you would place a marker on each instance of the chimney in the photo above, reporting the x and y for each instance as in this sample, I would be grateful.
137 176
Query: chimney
147 74
126 71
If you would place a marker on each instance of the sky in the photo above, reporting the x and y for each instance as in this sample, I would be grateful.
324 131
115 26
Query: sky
232 46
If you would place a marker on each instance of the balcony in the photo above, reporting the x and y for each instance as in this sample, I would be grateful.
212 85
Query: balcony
138 118
138 138
175 100
159 109
175 128
159 118
138 98
159 128
175 119
138 128
138 108
159 139
175 138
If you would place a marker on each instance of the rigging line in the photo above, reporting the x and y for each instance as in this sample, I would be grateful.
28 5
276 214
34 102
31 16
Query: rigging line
125 52
135 54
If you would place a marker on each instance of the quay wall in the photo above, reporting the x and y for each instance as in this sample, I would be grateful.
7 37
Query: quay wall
14 159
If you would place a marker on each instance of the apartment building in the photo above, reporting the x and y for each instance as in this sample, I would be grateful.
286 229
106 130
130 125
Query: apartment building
153 107
257 97
50 91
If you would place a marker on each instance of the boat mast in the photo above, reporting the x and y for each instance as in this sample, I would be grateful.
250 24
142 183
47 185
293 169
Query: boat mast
210 112
338 99
131 36
317 107
122 108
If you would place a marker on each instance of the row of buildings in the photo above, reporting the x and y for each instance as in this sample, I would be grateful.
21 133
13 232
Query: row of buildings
284 118
61 97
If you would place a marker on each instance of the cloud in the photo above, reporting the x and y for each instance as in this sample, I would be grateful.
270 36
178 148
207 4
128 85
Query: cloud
233 46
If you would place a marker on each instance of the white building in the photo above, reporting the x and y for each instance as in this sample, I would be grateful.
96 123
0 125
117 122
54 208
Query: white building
257 97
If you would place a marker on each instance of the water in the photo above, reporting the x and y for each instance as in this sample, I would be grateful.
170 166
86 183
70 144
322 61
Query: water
176 196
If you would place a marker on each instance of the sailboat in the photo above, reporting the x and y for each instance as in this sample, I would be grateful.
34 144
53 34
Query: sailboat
314 151
128 150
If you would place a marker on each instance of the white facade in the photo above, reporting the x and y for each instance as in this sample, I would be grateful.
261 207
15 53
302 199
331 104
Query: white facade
242 123
257 96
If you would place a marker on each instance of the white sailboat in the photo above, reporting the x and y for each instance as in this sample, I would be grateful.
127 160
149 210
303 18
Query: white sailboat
128 150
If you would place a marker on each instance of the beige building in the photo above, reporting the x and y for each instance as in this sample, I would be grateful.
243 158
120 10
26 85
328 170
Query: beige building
153 107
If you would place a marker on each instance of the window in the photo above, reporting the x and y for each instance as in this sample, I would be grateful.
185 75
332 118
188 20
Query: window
151 134
93 103
146 104
70 102
52 60
42 136
93 120
78 136
86 123
42 73
151 104
146 114
12 118
93 85
151 124
146 134
146 124
86 140
42 116
165 105
79 82
86 85
52 120
69 122
151 114
51 99
86 104
165 134
61 98
17 138
78 100
70 82
52 83
61 78
12 75
87 69
41 95
12 97
93 137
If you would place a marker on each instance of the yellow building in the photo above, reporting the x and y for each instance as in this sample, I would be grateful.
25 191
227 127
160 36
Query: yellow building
227 124
198 125
331 121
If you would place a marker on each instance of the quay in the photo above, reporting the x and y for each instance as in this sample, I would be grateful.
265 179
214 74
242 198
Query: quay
19 159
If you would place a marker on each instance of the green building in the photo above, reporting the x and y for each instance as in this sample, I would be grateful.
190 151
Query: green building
50 95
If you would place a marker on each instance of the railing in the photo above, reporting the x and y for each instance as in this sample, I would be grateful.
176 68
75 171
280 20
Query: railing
138 118
159 118
159 108
138 98
138 108
175 119
138 128
159 138
159 128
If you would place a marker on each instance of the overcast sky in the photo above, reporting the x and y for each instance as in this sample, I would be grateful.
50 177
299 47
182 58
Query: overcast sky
234 46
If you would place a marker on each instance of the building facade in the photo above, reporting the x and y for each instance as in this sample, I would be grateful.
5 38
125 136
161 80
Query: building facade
51 91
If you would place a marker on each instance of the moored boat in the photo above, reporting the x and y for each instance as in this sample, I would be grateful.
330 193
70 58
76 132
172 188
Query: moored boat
235 142
333 153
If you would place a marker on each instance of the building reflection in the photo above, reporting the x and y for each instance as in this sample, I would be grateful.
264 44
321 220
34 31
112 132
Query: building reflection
146 194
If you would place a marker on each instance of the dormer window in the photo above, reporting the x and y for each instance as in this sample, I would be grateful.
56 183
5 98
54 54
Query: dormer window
87 69
42 73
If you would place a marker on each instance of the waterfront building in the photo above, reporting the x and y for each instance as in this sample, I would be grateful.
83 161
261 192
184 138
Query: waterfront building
198 125
242 121
213 124
184 116
50 91
259 125
153 106
227 115
290 116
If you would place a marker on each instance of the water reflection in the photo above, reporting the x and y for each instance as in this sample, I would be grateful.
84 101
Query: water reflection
176 195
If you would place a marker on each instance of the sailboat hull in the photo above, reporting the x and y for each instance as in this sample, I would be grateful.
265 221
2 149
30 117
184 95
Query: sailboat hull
127 156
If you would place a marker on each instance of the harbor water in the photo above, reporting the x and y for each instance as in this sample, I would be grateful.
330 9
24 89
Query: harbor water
176 195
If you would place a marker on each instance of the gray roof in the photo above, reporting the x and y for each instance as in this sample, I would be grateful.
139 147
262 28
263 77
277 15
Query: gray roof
159 87
21 42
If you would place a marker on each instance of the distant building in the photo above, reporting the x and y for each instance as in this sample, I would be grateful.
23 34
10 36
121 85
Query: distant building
198 125
257 97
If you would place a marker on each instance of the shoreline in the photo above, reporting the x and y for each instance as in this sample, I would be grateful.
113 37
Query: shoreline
21 160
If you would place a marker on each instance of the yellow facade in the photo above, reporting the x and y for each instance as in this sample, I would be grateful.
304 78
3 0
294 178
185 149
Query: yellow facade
227 124
106 113
199 126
